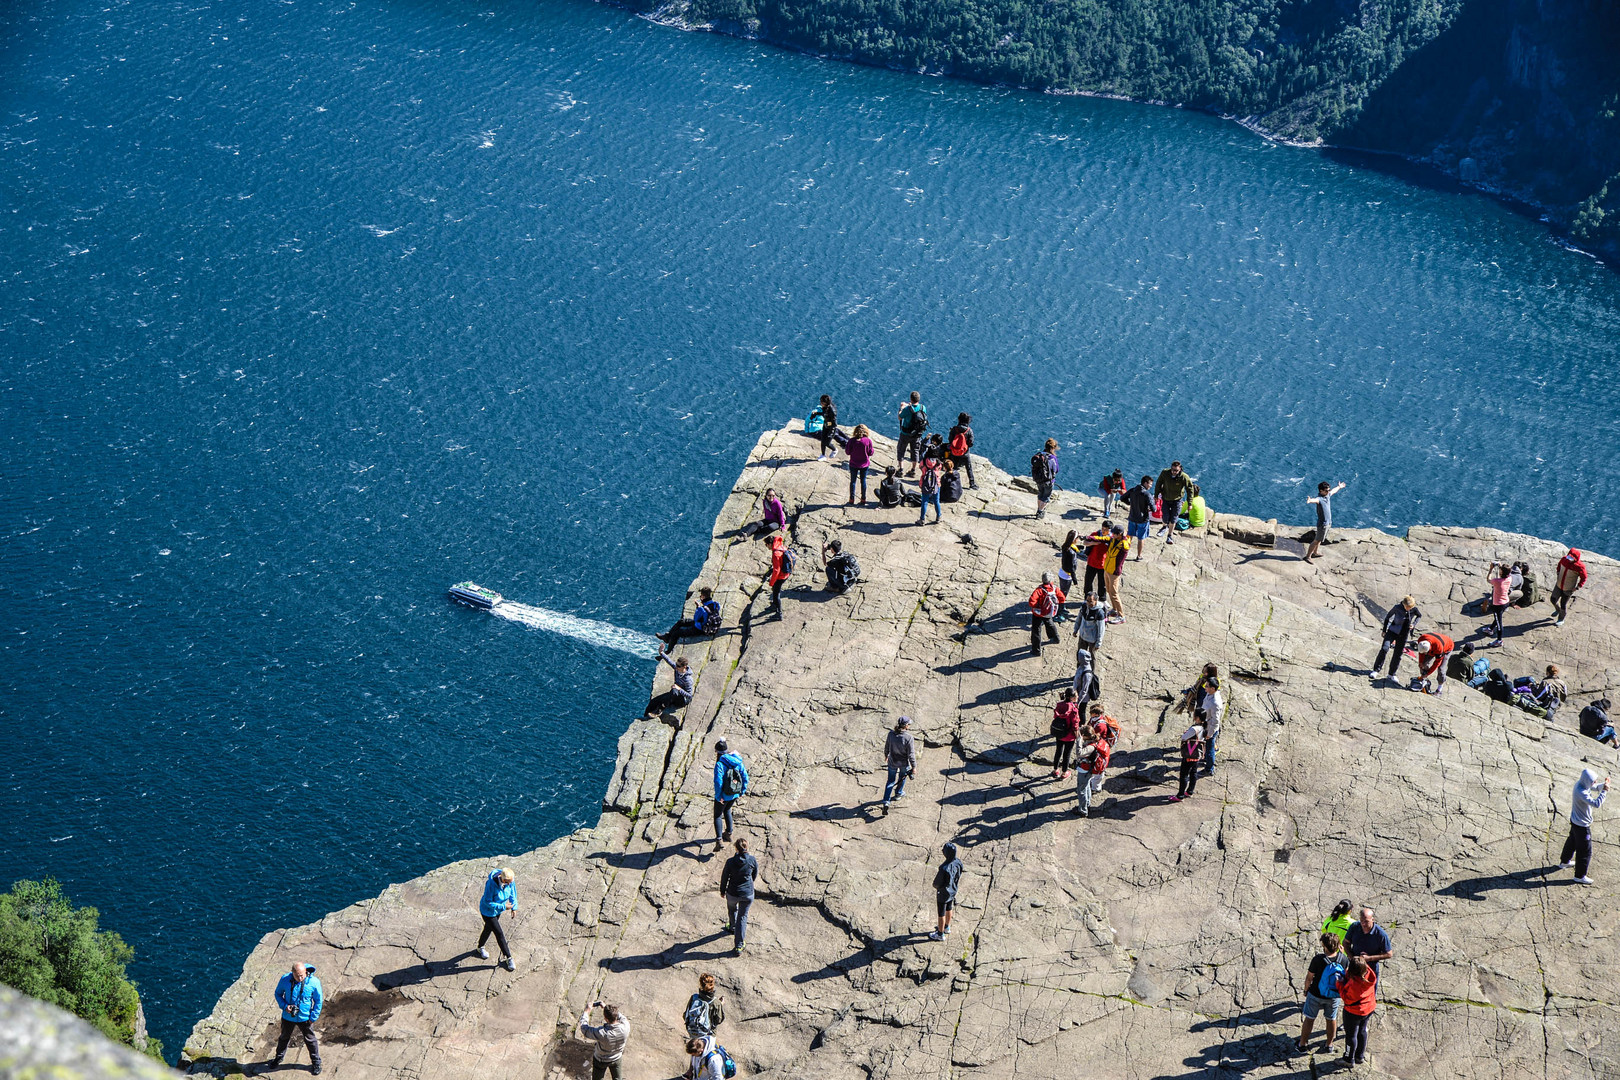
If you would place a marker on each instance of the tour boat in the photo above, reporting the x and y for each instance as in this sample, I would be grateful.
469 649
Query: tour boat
474 595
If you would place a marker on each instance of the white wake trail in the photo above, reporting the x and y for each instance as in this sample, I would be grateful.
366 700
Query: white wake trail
589 631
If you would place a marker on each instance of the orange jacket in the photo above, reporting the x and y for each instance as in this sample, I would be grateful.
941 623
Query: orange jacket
1358 994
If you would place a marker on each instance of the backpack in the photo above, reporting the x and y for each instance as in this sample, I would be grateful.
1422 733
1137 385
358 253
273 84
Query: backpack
959 445
814 423
731 782
1040 468
914 419
728 1068
842 571
1532 590
1059 726
928 482
1095 690
697 1016
790 561
911 498
1328 985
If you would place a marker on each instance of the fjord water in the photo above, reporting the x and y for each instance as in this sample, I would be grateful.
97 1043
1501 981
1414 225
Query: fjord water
311 309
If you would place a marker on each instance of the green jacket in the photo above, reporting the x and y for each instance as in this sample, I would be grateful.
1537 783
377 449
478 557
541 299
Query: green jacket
1171 486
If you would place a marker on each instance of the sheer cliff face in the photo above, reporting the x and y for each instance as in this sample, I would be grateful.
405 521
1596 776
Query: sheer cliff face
1149 940
1525 88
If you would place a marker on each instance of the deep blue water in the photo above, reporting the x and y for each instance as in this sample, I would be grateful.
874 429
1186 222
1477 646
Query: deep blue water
308 310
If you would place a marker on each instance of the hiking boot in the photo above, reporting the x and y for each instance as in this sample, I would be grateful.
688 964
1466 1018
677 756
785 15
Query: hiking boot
483 953
936 936
508 964
885 809
315 1068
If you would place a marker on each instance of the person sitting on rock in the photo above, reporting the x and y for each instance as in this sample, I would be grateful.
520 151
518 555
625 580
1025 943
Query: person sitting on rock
705 620
1595 722
950 484
890 492
679 695
843 569
773 515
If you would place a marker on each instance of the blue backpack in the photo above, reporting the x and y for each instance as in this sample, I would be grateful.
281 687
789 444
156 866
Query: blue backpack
814 423
728 1068
1332 975
790 561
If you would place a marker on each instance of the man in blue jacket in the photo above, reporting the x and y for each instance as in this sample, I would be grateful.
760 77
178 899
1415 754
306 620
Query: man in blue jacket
500 895
730 784
299 996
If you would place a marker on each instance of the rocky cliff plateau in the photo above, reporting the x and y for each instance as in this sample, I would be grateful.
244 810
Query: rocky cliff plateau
1151 940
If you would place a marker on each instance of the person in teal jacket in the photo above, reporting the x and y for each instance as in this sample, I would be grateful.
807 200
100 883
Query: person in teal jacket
500 895
730 784
299 996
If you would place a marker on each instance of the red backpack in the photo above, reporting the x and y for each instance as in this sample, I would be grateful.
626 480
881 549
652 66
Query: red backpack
1043 602
959 446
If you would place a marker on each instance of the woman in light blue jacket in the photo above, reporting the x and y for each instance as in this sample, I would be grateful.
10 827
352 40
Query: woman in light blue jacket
500 894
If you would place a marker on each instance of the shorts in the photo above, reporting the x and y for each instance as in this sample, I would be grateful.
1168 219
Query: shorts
1314 1006
1138 529
944 903
1043 491
1321 532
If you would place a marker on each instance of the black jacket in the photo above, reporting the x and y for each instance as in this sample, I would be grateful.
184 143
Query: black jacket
737 879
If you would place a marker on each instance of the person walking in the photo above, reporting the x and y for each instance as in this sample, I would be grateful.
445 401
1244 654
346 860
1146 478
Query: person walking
859 451
1043 609
1398 626
1589 795
1324 515
607 1039
679 695
913 422
946 881
1068 567
1093 762
1209 707
781 569
709 1059
737 886
1500 576
959 442
1119 549
1139 513
1368 940
730 784
900 755
1043 469
1569 576
705 1011
1065 730
1091 623
1359 991
1085 675
500 896
705 620
928 488
1432 650
298 995
1112 489
1323 980
1192 753
1172 487
829 428
773 514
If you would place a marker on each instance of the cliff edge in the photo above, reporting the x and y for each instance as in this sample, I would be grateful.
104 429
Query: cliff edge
1152 939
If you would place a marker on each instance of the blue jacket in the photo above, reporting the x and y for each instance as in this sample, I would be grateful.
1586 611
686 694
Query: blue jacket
497 895
720 776
300 1001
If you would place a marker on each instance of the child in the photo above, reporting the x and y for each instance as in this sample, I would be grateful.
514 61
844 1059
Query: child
1358 991
1066 729
946 880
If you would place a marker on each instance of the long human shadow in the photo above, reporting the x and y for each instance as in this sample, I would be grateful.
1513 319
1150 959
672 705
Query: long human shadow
1002 694
988 663
646 860
428 970
1479 888
872 952
834 812
873 528
671 956
1237 1056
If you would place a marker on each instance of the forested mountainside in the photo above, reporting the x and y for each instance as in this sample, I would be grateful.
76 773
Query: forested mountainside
1528 89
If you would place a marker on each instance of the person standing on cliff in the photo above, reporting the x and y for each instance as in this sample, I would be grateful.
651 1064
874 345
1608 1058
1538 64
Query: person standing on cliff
829 428
1568 577
946 881
1500 577
737 886
730 784
1119 548
1192 754
1139 514
299 996
900 754
778 574
1368 940
1043 469
1092 763
608 1040
859 449
500 896
1065 732
1172 488
1402 619
1043 609
958 443
913 422
1324 515
1589 795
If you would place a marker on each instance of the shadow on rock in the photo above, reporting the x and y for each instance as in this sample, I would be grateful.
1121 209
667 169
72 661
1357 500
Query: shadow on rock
671 956
1479 888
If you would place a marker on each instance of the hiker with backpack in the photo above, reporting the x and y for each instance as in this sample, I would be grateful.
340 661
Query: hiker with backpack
1139 514
913 422
1399 623
705 620
1087 687
500 896
928 488
1324 515
859 450
842 568
1595 723
950 483
783 562
1589 795
829 428
946 881
1358 988
1091 623
900 755
1500 577
1112 489
710 1061
773 514
1171 487
607 1040
730 784
1092 763
1569 576
737 886
1192 755
1065 730
679 695
1432 650
704 1010
1043 469
1323 980
890 491
1043 609
958 443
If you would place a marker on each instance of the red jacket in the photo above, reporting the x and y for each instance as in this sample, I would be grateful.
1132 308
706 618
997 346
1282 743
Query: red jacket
777 574
1044 601
1440 647
1358 994
1571 573
1097 549
1069 713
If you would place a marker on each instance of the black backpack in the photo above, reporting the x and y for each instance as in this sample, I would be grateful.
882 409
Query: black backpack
1040 468
843 571
731 781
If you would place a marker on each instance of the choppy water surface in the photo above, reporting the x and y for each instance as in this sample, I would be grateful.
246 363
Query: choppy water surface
311 309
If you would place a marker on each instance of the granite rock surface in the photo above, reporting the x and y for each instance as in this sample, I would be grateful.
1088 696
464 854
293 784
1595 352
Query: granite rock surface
1150 940
42 1042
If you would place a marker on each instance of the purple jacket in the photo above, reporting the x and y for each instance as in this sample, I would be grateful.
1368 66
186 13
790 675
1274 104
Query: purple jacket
775 513
859 451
